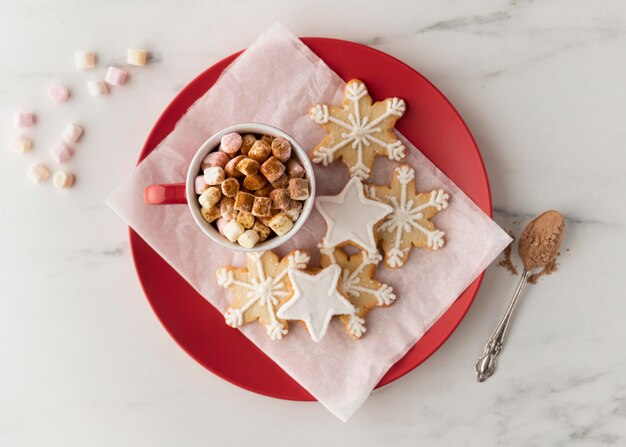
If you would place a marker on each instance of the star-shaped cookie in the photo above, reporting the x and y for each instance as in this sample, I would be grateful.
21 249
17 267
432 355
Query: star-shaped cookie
359 130
351 217
316 300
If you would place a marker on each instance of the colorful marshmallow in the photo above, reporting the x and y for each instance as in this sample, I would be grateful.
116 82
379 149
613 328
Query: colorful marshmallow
85 60
136 56
72 133
38 173
115 76
61 153
21 144
97 87
24 119
63 180
58 93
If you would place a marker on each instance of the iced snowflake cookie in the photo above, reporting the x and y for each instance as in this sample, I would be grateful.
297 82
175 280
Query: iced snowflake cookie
260 289
359 130
316 300
409 224
357 283
351 217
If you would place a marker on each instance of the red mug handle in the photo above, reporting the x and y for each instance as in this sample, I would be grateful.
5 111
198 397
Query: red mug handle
172 194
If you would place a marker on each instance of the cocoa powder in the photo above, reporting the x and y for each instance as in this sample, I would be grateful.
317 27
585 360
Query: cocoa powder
540 243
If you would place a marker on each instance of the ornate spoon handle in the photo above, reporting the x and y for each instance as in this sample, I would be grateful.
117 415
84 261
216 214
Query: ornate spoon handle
486 364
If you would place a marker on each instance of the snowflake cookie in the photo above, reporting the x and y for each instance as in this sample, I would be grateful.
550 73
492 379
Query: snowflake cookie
316 300
358 284
351 217
359 130
409 224
260 289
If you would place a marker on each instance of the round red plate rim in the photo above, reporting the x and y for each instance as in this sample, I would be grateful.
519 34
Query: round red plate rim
149 146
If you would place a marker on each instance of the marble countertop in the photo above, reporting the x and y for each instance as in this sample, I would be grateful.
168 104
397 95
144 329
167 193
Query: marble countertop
83 360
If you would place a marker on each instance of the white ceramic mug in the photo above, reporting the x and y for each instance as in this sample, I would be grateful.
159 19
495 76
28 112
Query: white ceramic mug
185 193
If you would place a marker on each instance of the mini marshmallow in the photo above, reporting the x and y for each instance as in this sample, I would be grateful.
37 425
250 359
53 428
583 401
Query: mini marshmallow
38 173
85 60
61 152
233 230
254 182
298 188
63 180
292 214
200 185
210 197
295 169
230 143
259 151
247 142
227 208
248 239
230 187
262 230
273 169
221 224
214 175
281 149
280 199
281 182
265 191
58 93
72 133
115 76
97 87
268 139
21 144
280 223
210 214
136 56
245 219
215 158
248 166
23 119
244 201
265 220
262 206
231 166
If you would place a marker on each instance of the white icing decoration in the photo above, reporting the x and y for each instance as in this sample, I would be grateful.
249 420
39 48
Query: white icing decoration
316 300
406 214
356 325
351 217
265 290
360 132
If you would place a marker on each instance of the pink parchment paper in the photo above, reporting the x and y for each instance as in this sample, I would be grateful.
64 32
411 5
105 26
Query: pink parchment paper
339 371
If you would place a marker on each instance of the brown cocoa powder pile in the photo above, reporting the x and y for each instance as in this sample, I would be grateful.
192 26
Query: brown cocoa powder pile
540 243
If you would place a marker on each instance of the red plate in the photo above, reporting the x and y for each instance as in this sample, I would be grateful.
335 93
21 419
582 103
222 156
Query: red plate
431 123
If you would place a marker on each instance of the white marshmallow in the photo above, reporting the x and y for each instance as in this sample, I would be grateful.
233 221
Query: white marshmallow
248 239
137 56
233 230
280 223
72 132
38 173
214 175
21 144
97 87
63 180
85 60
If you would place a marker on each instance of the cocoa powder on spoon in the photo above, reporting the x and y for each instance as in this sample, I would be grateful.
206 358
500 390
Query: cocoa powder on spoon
540 243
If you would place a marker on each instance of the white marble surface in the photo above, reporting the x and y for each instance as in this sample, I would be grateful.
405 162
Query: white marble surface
83 360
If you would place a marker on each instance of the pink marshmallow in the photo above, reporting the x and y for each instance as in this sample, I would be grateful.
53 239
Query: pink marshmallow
221 223
115 76
215 159
200 184
24 119
295 169
61 152
58 93
231 143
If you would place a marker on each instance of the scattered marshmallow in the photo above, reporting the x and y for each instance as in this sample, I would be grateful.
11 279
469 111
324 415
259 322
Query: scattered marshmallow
61 152
85 60
63 180
137 56
233 230
97 87
115 76
72 132
58 93
38 173
21 144
24 119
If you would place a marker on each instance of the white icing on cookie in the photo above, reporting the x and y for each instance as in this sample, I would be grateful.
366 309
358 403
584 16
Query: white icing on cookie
351 217
316 300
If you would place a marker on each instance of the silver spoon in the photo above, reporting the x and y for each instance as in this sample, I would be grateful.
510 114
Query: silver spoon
538 246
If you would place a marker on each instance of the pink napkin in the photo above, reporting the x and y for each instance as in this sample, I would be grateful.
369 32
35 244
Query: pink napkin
339 371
